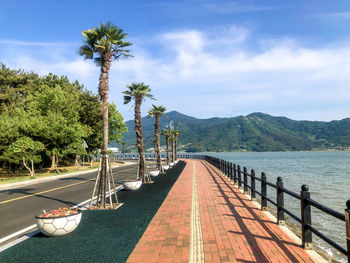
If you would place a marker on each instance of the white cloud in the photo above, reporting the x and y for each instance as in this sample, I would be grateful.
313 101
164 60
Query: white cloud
213 73
33 43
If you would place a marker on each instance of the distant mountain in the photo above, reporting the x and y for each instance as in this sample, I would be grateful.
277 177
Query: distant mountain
254 132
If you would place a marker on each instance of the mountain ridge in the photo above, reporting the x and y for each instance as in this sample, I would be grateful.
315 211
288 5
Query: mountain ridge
256 131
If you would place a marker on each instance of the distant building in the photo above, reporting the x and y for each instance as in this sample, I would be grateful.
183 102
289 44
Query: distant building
113 149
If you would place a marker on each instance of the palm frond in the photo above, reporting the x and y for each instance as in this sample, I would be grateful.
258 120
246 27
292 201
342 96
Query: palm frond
127 99
106 38
98 61
86 52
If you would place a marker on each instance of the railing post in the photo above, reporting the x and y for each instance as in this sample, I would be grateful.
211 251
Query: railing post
263 192
239 176
245 180
234 174
252 184
306 234
225 168
347 224
231 171
228 170
280 201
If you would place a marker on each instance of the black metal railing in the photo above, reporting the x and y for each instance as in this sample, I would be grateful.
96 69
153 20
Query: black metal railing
234 172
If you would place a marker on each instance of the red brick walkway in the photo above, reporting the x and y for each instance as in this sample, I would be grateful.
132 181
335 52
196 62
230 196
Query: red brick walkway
233 229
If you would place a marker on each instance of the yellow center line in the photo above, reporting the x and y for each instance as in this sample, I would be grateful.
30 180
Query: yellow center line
53 189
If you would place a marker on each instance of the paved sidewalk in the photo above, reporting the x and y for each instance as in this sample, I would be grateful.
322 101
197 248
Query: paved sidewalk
227 228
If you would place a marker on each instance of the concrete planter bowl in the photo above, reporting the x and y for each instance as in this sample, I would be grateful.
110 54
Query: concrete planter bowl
171 164
165 167
58 226
154 173
131 185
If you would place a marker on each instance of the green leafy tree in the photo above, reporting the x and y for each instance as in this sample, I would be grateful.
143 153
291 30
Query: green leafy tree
52 118
104 44
138 92
27 151
15 86
157 112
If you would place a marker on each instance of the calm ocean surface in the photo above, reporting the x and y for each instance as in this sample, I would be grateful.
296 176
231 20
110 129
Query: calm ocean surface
326 173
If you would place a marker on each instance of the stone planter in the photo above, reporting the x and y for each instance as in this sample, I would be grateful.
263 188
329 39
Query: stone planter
131 185
165 167
58 226
171 164
154 173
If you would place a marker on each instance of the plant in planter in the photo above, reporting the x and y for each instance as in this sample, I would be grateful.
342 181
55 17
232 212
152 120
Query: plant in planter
154 173
131 184
58 222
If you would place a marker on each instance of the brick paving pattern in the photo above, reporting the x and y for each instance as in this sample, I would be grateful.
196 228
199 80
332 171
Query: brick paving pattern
233 229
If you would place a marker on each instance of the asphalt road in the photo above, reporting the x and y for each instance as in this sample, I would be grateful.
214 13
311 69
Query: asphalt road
19 206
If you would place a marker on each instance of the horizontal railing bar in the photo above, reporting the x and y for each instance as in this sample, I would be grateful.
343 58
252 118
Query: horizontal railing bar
257 192
271 184
291 214
328 240
258 179
291 193
271 201
327 210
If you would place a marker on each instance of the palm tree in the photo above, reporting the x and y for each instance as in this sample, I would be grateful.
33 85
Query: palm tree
138 92
123 151
157 112
176 135
104 44
167 134
172 139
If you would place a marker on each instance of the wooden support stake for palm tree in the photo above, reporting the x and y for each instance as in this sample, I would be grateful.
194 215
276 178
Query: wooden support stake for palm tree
101 192
147 178
95 186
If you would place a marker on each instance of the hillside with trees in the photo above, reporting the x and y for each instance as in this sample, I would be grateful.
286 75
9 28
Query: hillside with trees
45 120
254 132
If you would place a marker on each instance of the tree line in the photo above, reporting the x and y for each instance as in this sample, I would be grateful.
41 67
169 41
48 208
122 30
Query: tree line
46 119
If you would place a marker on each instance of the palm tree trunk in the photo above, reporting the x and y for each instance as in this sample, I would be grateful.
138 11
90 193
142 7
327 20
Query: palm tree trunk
139 138
103 90
173 151
167 150
156 134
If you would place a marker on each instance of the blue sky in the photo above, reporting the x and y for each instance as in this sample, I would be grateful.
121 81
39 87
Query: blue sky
202 58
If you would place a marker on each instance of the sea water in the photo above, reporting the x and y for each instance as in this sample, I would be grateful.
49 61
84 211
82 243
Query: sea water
326 173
